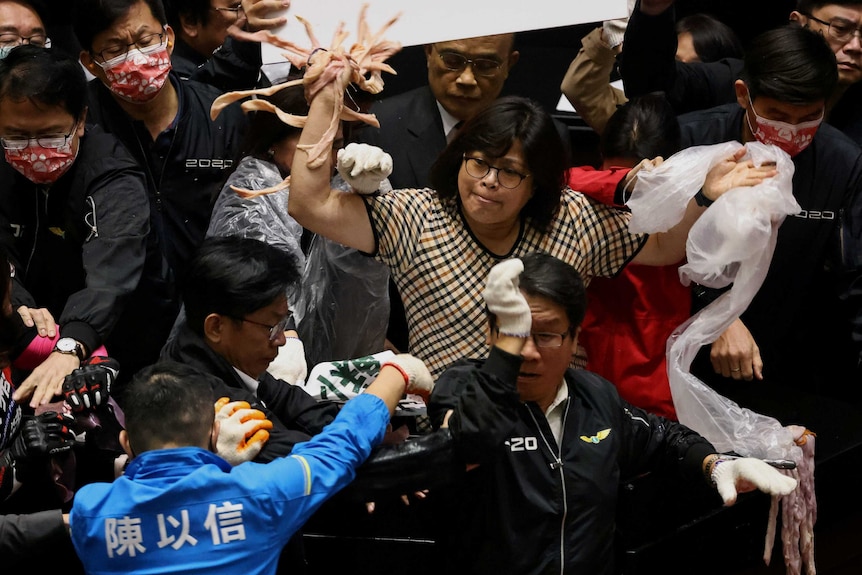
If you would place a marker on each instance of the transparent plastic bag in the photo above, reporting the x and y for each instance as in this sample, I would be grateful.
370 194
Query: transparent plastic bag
731 243
343 309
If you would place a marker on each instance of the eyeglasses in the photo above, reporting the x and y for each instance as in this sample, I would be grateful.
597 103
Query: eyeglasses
479 168
117 50
53 141
235 9
274 330
481 66
545 339
8 39
839 29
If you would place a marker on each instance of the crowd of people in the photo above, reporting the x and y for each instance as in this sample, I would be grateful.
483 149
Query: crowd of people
170 277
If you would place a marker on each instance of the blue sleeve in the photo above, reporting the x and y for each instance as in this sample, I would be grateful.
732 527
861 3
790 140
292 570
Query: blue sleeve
317 469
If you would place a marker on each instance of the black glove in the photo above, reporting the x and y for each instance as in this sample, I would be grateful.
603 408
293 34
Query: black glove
39 437
89 386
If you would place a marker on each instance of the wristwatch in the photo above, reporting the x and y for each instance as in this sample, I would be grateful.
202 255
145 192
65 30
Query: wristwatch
70 346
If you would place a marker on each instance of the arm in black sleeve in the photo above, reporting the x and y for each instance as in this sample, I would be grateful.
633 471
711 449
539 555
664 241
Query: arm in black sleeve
235 65
647 61
27 535
648 64
114 249
483 397
652 443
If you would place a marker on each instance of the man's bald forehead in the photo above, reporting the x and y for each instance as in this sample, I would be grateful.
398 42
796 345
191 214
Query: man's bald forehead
506 41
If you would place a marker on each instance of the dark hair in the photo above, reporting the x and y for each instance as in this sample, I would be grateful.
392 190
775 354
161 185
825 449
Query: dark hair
712 39
265 129
806 6
46 77
790 64
555 280
195 11
644 127
235 276
168 403
95 16
492 132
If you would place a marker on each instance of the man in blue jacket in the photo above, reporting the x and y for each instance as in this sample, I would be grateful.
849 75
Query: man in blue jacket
180 508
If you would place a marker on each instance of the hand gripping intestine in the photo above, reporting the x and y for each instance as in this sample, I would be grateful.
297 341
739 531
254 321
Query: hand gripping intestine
366 58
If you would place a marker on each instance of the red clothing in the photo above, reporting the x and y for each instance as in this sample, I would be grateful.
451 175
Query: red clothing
630 317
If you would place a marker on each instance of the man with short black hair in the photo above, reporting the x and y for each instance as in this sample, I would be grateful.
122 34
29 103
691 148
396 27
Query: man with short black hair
180 508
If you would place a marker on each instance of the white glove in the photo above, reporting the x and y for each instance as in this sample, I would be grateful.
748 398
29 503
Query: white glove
364 167
614 30
290 365
242 430
506 301
419 379
732 476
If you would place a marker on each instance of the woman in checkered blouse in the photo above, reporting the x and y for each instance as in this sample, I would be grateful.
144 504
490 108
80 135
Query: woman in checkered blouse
499 194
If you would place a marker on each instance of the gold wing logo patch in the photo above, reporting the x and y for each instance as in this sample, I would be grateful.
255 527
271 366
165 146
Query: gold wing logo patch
597 437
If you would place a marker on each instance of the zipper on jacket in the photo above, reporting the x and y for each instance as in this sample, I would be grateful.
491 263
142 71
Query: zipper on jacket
557 465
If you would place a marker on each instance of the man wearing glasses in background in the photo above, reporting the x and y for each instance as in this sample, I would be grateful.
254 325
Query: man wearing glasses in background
201 28
20 24
648 61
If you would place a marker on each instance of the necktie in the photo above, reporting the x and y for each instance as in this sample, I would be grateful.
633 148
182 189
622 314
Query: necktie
453 132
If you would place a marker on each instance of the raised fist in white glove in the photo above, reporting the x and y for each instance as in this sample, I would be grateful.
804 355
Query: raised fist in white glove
505 300
242 430
290 364
364 166
419 380
734 476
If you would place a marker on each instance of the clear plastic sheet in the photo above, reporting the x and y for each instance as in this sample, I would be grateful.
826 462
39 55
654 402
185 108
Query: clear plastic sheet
342 308
731 243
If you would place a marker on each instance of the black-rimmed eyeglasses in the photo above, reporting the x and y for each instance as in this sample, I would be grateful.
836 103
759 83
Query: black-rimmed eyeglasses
839 29
506 177
8 39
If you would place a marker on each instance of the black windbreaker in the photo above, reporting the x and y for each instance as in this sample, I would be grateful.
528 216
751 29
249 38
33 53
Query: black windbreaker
83 249
533 506
185 166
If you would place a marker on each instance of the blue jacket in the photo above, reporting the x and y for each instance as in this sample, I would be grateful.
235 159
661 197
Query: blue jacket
185 510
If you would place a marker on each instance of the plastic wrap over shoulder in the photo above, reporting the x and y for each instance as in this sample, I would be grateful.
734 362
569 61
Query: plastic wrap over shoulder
343 309
732 242
262 218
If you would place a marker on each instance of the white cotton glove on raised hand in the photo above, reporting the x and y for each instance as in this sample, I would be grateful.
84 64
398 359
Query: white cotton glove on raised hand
733 476
242 430
364 167
505 300
419 380
615 30
290 364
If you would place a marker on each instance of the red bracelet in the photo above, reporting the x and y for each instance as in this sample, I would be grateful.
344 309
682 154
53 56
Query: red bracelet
404 374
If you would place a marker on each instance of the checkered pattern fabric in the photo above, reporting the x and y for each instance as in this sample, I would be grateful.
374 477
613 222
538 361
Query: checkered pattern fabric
440 268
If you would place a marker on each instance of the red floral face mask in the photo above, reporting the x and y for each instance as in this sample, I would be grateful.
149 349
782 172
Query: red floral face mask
42 165
139 75
792 138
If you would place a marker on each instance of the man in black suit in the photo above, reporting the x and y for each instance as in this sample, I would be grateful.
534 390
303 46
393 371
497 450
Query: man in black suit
464 76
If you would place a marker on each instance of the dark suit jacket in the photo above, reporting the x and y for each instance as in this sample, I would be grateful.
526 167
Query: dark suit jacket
411 131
